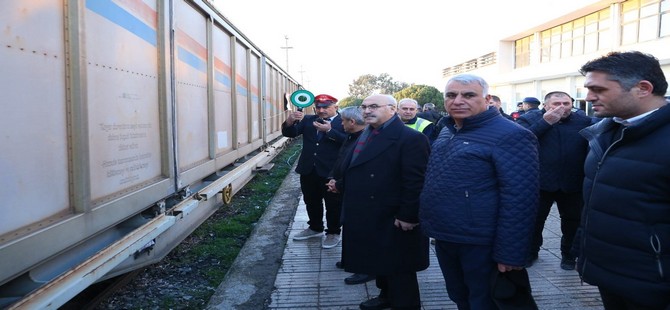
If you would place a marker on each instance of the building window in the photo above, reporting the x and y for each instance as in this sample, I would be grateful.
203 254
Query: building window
665 18
644 20
649 21
522 52
545 46
566 40
583 35
604 29
591 36
578 37
556 43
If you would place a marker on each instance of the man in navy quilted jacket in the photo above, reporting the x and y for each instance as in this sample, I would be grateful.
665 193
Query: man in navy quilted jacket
562 153
481 201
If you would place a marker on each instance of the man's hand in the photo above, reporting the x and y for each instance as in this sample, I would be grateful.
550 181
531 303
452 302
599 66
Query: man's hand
325 126
553 115
505 268
294 117
331 186
404 225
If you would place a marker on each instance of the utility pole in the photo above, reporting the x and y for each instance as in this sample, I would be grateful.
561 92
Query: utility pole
286 48
302 81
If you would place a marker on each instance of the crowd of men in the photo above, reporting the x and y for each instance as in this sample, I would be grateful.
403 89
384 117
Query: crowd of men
481 184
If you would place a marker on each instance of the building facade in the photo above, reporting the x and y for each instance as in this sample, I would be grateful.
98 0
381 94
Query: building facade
547 57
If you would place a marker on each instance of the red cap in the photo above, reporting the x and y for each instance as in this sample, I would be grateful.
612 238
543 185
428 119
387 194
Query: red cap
324 100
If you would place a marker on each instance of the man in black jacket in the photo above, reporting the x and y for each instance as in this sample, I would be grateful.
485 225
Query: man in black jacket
530 104
562 152
354 124
519 111
429 113
407 111
624 234
322 137
496 102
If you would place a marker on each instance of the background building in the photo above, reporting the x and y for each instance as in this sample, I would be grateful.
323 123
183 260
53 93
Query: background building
547 57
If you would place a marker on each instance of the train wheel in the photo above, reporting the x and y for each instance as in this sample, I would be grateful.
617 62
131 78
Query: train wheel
227 193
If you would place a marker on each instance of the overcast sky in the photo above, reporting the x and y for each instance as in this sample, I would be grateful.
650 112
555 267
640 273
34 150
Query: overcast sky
335 42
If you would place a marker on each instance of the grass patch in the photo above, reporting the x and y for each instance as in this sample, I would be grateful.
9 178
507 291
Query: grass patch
211 249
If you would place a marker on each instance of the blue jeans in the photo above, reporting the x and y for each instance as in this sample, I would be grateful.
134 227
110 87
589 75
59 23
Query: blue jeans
467 270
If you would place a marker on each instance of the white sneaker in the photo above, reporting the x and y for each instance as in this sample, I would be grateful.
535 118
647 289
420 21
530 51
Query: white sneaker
331 241
306 234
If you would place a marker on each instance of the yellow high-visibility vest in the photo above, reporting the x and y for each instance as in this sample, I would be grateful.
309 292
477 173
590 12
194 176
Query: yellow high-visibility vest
420 124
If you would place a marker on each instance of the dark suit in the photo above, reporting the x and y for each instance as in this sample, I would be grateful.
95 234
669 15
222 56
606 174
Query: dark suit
316 160
382 184
562 152
339 166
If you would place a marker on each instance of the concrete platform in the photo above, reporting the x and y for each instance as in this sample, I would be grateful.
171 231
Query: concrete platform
308 278
305 276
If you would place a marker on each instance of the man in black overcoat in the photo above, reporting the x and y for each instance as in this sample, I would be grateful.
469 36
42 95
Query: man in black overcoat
382 183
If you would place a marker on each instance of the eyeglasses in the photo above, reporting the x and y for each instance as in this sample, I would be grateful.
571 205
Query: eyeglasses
372 107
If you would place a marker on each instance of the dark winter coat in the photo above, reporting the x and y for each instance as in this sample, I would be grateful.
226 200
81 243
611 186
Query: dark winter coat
381 185
430 115
505 115
338 168
482 186
624 238
319 154
562 150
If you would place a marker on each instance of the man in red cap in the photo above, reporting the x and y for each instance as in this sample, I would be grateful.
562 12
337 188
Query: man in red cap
322 137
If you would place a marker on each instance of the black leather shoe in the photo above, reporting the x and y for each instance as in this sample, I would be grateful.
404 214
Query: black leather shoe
375 304
358 278
339 265
568 264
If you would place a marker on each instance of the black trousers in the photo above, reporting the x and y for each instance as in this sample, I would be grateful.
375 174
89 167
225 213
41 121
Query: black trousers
613 301
314 193
570 209
401 290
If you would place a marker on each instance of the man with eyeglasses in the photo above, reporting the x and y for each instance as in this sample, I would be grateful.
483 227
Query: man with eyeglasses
322 137
482 197
381 186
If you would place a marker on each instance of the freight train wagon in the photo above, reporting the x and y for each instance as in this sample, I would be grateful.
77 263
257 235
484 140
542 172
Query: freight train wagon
124 125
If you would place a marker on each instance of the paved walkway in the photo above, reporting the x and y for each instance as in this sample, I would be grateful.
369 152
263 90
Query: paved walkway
308 278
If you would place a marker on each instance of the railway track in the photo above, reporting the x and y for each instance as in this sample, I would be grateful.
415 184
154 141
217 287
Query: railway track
94 295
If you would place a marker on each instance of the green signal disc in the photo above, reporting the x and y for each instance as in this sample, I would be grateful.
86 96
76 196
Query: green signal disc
302 98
